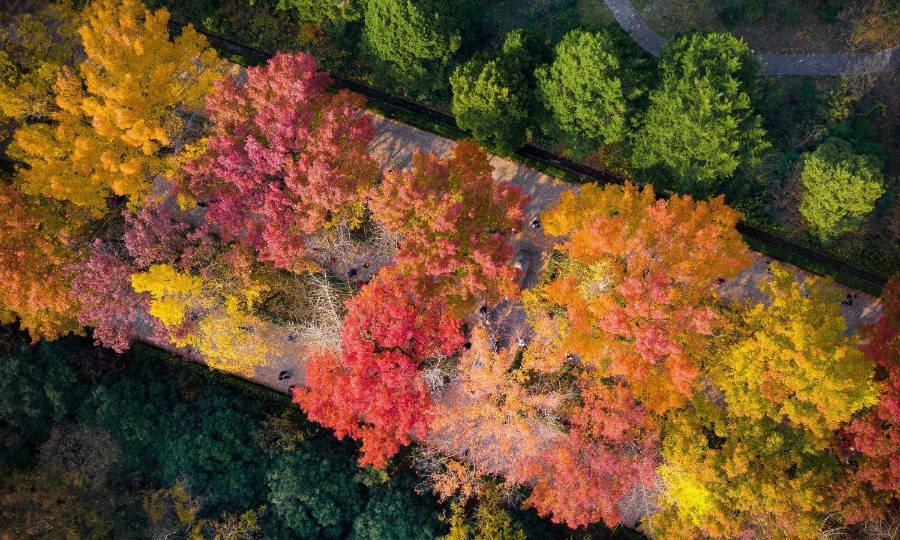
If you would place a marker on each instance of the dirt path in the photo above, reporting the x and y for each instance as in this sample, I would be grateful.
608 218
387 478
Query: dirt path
773 64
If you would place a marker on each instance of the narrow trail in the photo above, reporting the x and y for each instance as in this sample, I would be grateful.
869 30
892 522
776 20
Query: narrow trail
773 64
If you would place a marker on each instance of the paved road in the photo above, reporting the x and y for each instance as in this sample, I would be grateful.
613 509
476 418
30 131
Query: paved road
773 64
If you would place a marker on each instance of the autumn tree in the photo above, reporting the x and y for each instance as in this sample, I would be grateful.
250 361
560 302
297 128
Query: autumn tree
33 48
455 222
490 411
372 389
796 363
609 449
286 158
701 126
631 294
70 491
728 477
875 435
37 241
101 287
126 103
840 187
213 317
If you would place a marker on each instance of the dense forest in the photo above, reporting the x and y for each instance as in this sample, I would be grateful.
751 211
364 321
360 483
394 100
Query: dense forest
494 362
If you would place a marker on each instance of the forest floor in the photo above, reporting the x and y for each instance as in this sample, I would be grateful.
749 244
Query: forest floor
393 147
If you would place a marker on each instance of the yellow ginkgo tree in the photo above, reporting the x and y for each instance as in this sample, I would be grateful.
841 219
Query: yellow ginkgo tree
119 110
795 362
205 314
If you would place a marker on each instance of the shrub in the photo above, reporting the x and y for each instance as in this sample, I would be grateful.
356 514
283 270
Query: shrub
732 13
754 10
790 15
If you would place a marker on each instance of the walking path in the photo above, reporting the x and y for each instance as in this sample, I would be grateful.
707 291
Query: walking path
773 64
393 147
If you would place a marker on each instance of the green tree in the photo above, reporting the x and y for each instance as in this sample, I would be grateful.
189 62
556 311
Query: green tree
38 386
839 187
417 38
394 510
212 441
701 126
314 492
331 16
583 90
490 521
494 97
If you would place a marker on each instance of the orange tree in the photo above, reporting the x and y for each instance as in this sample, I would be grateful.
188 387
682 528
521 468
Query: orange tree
632 293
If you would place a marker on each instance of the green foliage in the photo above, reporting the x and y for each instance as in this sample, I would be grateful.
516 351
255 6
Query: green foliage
494 98
395 511
755 10
827 11
329 15
314 492
732 13
790 15
489 521
584 90
417 38
839 187
38 386
701 126
211 442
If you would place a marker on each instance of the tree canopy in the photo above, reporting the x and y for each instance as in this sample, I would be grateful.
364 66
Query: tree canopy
700 125
840 187
585 91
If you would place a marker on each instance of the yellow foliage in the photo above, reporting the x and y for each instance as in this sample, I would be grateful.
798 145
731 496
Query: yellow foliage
221 328
116 113
795 362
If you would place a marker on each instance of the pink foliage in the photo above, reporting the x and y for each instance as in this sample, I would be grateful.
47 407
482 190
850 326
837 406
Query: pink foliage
102 286
610 448
373 390
877 433
158 234
286 156
455 221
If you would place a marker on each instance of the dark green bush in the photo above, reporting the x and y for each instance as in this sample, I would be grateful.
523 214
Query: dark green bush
732 13
827 11
790 15
754 10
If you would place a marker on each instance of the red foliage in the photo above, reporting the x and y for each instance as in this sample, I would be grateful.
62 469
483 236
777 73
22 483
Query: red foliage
877 433
455 221
373 389
285 159
159 235
610 448
102 286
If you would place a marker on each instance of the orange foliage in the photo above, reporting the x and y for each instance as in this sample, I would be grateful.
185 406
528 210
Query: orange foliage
33 280
634 290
